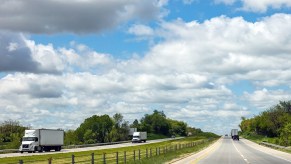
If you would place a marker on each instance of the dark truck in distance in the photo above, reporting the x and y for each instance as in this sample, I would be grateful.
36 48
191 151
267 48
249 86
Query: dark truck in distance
234 134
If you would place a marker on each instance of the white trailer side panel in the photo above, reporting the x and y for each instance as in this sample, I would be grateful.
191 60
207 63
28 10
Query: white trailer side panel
49 137
143 135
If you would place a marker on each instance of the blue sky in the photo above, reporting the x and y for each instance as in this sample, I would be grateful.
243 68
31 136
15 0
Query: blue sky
207 63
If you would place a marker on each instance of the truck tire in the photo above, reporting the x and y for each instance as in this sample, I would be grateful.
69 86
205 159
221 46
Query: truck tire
57 148
34 150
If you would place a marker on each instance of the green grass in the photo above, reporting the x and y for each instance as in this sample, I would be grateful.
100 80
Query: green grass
110 154
176 154
259 138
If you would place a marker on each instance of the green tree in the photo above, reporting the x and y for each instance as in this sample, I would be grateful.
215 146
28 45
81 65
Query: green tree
99 125
120 130
135 124
177 127
11 132
71 138
285 135
155 123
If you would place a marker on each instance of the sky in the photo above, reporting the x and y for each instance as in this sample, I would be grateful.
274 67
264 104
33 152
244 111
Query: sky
205 62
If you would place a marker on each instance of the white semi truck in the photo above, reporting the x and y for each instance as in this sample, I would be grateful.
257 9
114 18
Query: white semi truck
42 140
139 137
234 134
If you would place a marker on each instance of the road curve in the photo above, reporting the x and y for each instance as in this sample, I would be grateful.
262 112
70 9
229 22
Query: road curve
227 151
87 148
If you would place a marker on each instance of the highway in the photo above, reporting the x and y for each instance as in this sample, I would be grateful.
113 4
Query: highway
227 151
87 148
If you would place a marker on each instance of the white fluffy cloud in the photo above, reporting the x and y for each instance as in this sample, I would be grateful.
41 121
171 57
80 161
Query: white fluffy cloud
186 74
263 99
258 5
263 5
141 30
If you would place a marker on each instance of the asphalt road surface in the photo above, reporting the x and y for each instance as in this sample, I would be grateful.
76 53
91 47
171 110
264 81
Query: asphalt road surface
227 151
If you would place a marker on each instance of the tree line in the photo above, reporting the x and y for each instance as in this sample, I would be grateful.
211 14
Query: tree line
103 128
274 123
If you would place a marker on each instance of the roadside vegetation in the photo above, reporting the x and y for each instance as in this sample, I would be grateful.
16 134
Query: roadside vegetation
272 125
103 128
180 144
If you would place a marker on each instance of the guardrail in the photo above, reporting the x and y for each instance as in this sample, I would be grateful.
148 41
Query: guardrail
8 151
274 145
117 157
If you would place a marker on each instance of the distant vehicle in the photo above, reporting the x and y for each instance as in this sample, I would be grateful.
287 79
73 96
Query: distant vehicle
42 140
226 135
139 137
173 136
234 134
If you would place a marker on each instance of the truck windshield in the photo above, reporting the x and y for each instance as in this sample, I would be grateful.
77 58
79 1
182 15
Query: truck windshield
135 136
29 139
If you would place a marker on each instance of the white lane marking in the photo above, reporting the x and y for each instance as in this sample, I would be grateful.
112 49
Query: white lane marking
245 159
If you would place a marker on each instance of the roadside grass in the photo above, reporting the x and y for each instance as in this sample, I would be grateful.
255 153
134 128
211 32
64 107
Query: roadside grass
259 138
140 151
175 155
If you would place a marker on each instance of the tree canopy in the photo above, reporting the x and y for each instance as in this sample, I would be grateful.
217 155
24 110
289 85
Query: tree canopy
274 122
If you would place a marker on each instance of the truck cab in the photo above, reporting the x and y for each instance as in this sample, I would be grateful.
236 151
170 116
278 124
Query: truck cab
29 141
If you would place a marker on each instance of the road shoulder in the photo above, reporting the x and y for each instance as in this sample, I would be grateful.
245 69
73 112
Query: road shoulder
268 150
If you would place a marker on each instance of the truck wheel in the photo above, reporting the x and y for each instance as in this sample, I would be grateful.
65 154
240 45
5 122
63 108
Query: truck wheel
57 148
21 152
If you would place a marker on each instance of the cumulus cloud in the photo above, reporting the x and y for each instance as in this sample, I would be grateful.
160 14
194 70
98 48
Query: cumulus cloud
15 55
186 74
51 16
224 46
141 30
264 5
264 99
260 6
21 55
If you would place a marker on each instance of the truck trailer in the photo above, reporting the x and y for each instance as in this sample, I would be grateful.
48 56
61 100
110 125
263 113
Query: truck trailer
234 134
139 137
42 140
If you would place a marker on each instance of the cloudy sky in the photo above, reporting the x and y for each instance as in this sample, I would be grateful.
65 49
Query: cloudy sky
205 62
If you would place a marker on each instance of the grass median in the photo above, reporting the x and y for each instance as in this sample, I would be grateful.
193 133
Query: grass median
142 153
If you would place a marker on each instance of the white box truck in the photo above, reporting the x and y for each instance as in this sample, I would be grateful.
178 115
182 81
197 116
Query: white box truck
42 140
234 134
139 137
